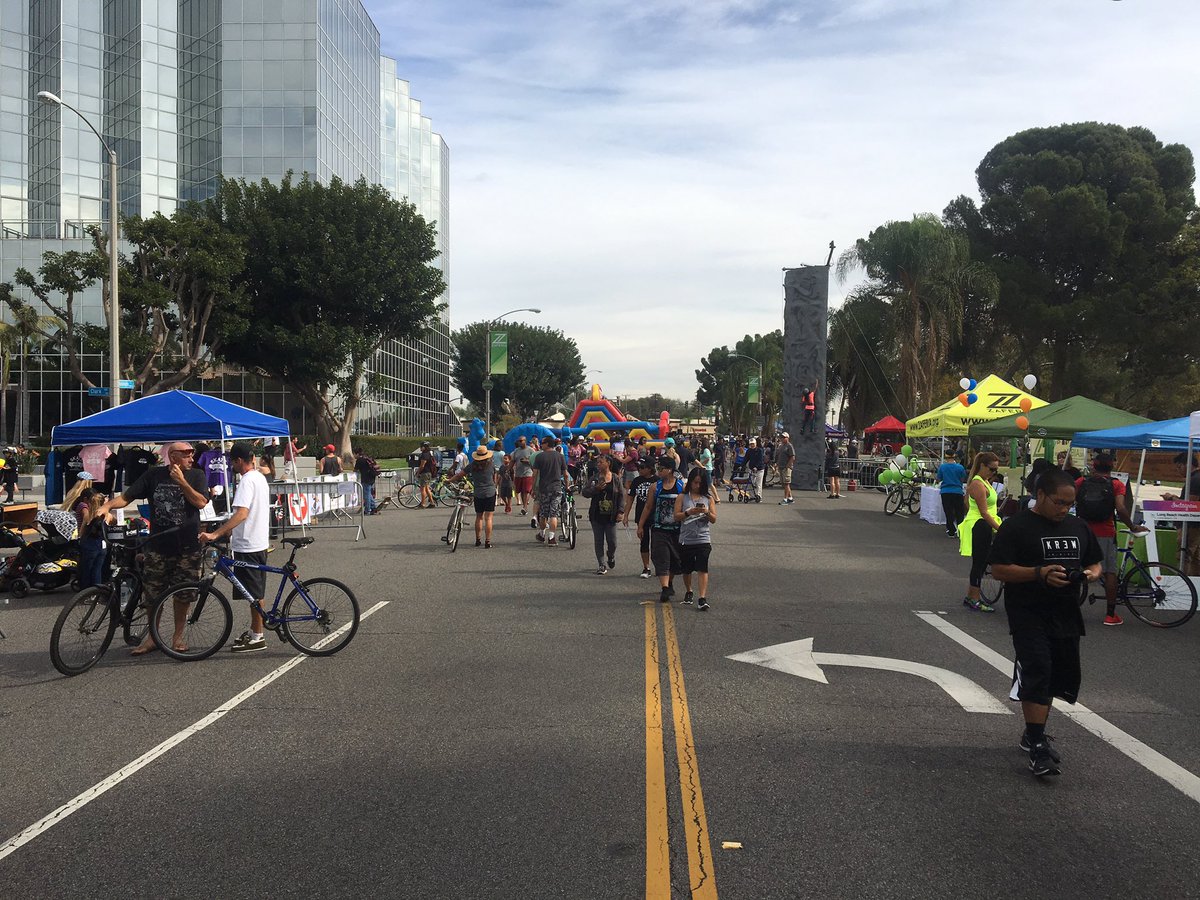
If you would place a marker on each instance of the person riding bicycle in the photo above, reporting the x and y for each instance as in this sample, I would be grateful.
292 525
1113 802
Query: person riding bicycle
250 525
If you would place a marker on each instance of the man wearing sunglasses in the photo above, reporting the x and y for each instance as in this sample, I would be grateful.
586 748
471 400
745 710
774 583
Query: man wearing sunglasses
176 492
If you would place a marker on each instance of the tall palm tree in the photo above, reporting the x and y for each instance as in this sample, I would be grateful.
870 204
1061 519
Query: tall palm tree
923 271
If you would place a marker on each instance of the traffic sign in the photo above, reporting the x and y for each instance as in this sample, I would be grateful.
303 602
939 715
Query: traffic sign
127 384
97 392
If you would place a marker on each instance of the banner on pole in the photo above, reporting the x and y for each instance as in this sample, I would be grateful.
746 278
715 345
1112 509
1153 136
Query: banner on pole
752 389
498 344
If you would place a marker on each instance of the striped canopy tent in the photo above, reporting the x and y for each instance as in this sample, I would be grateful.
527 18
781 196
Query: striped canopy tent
996 399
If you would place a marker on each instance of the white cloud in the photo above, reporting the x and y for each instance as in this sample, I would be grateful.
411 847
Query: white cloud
649 167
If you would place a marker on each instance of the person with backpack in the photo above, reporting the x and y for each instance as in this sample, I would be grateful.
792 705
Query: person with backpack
368 471
1098 498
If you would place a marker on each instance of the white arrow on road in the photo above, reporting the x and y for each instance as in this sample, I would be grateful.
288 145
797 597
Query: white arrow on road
798 658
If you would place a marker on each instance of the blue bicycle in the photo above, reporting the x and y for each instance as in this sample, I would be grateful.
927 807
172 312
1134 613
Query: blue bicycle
319 617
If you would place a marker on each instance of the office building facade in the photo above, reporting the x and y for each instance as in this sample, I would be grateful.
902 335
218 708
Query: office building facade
187 91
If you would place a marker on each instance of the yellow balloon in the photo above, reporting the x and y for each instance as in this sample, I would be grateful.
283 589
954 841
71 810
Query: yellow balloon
3 463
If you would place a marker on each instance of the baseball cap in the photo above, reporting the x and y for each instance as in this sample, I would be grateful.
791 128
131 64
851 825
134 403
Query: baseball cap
785 434
243 451
645 463
665 462
669 442
329 448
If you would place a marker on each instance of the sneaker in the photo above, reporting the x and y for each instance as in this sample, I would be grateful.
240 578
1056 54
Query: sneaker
532 522
665 596
978 605
248 643
541 538
1041 763
602 571
1114 619
702 604
478 542
612 562
1047 739
783 502
687 599
524 512
487 545
552 542
645 573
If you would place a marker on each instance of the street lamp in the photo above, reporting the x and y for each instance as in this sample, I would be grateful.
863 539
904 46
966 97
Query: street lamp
732 354
114 307
487 361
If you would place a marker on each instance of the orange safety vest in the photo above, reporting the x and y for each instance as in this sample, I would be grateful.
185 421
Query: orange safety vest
810 400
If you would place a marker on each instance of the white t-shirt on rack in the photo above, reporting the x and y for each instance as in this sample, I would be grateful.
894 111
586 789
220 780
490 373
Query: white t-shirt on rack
254 534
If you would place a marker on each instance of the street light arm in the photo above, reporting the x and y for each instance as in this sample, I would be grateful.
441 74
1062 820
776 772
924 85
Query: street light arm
48 97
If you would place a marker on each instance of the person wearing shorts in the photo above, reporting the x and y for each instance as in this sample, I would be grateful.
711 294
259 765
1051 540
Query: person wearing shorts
250 525
483 474
785 455
522 458
695 512
639 491
658 518
1043 555
426 469
551 468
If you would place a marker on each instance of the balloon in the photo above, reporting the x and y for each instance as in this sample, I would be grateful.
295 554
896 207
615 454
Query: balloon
900 460
907 450
962 398
971 398
1030 382
964 383
1026 404
1022 423
906 475
973 383
885 477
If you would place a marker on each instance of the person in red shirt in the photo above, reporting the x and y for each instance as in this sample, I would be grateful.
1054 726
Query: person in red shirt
1097 511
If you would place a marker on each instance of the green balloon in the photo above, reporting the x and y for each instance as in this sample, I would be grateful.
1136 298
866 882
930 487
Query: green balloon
886 476
907 450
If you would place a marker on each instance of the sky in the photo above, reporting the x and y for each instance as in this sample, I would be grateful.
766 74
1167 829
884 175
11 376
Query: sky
642 171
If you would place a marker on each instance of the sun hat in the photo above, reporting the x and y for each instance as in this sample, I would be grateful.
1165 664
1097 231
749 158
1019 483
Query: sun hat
481 453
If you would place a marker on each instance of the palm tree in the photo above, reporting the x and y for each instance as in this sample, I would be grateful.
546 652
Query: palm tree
923 271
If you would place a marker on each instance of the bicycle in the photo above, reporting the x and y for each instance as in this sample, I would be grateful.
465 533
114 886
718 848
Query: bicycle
990 589
462 500
568 522
86 626
319 617
1159 594
907 495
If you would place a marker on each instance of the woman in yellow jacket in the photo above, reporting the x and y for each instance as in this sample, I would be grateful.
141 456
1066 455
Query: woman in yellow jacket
981 522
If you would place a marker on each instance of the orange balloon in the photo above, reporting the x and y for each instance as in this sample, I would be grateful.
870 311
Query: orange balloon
962 398
1022 422
1026 404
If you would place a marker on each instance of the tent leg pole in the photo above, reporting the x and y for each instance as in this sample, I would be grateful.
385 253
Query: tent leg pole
1187 482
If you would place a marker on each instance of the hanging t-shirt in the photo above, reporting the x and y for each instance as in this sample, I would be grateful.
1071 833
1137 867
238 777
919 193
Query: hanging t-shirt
72 465
54 478
95 457
137 462
215 466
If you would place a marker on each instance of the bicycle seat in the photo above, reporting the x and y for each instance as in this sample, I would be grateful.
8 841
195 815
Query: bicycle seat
299 542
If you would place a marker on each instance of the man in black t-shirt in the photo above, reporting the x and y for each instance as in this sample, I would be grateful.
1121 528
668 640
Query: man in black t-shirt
1043 555
177 492
639 490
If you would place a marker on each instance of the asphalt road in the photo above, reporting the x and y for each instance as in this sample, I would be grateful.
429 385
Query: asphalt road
485 735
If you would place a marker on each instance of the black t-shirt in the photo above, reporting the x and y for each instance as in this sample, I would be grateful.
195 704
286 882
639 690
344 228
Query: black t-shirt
72 465
639 488
1028 539
170 508
137 462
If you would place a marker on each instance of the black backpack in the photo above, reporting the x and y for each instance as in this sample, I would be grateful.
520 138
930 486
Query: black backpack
1096 501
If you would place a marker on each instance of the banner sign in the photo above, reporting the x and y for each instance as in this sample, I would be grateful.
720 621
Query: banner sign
498 352
752 389
1172 510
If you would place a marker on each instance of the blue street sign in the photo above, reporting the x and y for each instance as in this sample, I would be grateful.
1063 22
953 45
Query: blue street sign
97 392
127 384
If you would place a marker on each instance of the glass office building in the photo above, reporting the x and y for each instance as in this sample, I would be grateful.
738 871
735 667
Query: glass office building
186 91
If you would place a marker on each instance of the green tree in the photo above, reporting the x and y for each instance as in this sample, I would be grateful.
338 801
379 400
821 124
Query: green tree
17 339
544 368
332 272
724 380
861 361
923 271
1076 221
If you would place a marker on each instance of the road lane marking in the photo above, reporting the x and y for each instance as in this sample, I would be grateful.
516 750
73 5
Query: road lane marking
78 802
658 848
695 822
798 658
1172 773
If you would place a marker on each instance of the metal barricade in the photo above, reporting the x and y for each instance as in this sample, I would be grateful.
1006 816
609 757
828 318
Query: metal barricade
317 503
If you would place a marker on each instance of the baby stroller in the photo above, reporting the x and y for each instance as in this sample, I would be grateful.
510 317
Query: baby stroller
47 563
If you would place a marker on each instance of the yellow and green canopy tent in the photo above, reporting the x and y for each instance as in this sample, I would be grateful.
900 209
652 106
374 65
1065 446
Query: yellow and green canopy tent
997 399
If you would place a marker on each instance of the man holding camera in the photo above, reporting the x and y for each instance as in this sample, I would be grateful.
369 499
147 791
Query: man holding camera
1044 556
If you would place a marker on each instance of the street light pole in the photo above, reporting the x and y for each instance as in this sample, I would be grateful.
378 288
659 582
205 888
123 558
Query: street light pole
487 362
114 306
732 354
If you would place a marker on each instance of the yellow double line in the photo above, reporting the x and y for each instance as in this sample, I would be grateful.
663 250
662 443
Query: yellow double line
695 823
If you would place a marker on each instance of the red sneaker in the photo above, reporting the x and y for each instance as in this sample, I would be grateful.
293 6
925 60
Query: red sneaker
1114 619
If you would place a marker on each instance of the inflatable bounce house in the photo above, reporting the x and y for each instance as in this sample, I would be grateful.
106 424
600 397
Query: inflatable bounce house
596 417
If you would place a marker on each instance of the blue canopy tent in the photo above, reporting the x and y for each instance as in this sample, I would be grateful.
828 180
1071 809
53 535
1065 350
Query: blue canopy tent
170 416
1169 435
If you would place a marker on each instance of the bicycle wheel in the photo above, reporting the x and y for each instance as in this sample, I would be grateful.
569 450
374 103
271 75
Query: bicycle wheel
1158 594
206 626
445 495
891 505
990 589
572 527
914 500
83 631
772 477
134 622
325 617
408 496
455 530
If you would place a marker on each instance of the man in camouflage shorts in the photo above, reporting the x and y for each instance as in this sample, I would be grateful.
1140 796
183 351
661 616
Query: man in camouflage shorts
176 492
